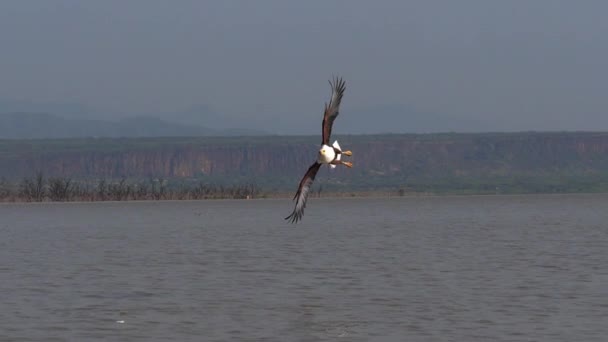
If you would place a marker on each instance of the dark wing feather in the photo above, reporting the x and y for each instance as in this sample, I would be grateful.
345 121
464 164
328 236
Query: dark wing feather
332 109
302 194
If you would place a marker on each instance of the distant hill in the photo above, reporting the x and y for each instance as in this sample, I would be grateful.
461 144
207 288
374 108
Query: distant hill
398 119
49 126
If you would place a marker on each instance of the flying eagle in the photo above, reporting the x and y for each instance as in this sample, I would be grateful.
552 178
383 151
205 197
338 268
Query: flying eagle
329 155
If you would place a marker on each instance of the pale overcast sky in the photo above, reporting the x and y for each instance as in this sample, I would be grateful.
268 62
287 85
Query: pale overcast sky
409 65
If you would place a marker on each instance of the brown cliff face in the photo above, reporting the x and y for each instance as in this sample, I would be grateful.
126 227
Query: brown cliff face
377 157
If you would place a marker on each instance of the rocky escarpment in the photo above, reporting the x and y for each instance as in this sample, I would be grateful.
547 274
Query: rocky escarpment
379 160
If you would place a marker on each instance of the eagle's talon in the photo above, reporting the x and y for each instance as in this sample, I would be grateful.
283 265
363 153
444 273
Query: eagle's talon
347 153
347 164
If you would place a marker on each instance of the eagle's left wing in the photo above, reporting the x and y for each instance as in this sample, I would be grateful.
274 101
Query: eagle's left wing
302 194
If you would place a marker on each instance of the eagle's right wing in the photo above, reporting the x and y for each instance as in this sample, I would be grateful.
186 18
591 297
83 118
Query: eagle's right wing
332 109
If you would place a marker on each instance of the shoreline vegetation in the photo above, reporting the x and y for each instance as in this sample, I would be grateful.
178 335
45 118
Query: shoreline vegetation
54 189
58 189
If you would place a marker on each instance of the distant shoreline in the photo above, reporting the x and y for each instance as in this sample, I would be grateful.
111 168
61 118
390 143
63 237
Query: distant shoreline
286 196
237 167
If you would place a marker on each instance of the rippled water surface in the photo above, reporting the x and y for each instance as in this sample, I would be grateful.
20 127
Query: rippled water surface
497 268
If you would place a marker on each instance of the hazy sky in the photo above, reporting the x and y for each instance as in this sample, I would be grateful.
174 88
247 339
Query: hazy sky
487 65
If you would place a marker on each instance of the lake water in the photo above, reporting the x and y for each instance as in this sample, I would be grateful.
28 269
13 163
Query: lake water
495 268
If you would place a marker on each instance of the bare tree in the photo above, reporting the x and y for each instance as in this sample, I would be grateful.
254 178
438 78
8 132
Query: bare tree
158 188
40 189
140 191
81 192
119 191
401 192
180 193
33 189
102 190
60 189
5 189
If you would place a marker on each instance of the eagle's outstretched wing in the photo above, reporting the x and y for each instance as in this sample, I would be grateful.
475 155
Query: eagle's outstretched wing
302 194
332 109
